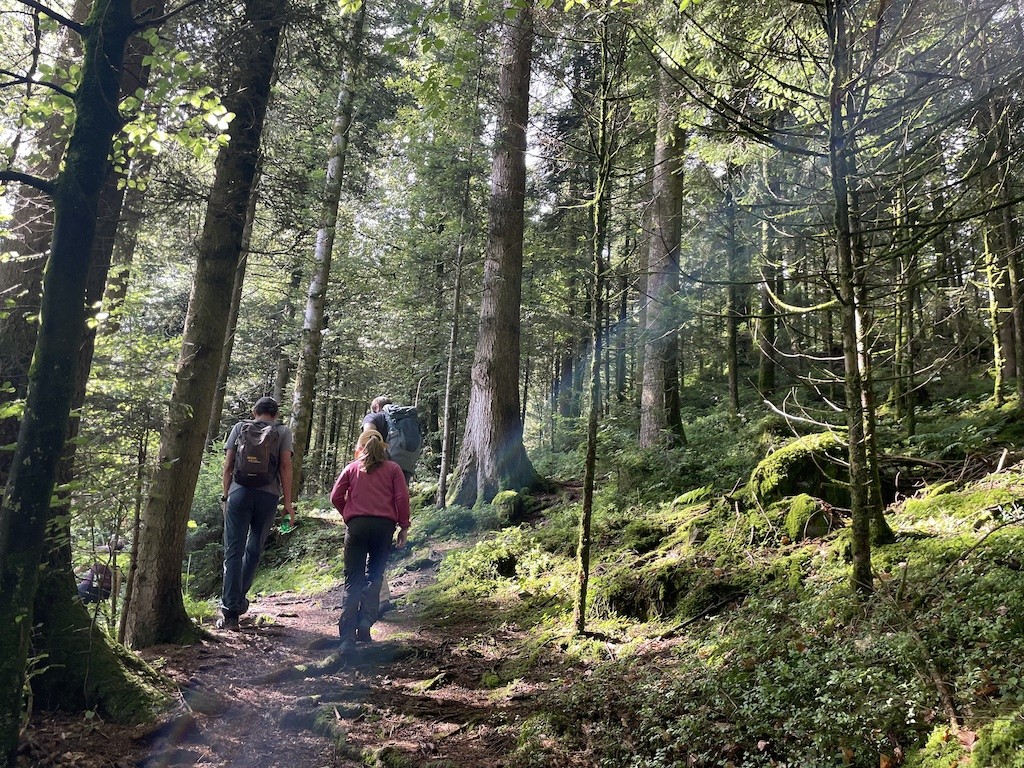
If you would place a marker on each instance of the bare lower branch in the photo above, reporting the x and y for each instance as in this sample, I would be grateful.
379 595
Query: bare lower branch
144 23
43 185
17 79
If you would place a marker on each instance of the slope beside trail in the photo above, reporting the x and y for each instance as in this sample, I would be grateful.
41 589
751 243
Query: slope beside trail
276 695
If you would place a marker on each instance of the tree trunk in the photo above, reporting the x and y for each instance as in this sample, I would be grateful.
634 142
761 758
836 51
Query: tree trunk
125 242
316 296
622 326
157 613
603 145
1002 257
663 268
286 313
213 429
85 669
25 511
732 321
768 322
493 457
30 232
449 378
850 279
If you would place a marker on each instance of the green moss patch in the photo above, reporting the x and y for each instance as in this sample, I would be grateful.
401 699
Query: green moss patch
811 464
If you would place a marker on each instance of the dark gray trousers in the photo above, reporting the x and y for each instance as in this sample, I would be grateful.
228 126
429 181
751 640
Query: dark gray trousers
367 544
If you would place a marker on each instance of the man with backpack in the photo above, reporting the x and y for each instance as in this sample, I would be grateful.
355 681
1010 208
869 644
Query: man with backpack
400 426
257 472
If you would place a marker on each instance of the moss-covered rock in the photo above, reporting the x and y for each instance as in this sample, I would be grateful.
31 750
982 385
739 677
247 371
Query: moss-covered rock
809 518
663 589
1000 744
966 504
942 750
509 506
812 464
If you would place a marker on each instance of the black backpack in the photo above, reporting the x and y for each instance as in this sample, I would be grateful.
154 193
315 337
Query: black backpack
256 454
404 438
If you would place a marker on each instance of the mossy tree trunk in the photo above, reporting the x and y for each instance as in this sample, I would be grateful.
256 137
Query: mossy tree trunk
602 139
493 457
1002 261
29 232
74 648
213 429
157 612
26 512
851 267
83 668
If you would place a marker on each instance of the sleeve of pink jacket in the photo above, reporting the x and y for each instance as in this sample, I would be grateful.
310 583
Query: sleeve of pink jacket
339 494
401 496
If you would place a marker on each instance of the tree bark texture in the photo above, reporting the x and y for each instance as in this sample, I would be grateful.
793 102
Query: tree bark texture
21 276
493 457
157 613
850 268
25 511
213 429
732 310
663 268
603 145
316 296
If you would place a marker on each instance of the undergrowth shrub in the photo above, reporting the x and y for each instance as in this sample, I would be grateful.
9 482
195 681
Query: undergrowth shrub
639 477
204 551
507 570
308 559
452 522
807 676
774 685
957 428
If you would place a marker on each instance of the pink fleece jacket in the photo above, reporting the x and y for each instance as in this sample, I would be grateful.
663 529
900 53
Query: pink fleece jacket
380 493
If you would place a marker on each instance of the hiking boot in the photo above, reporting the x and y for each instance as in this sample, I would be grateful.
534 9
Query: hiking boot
347 647
228 620
363 635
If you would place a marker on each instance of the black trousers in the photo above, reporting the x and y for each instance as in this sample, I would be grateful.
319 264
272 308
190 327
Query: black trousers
367 545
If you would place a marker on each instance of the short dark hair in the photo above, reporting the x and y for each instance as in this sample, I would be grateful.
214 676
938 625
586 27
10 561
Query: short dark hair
267 405
380 402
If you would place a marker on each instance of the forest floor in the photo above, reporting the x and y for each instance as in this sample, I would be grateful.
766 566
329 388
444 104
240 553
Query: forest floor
276 695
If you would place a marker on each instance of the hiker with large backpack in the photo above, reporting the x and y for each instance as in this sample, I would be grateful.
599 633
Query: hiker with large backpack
399 425
257 472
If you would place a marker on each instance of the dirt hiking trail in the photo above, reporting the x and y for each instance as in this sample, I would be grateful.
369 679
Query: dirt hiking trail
276 695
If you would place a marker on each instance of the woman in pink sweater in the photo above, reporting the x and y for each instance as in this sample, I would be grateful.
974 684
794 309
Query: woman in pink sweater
373 498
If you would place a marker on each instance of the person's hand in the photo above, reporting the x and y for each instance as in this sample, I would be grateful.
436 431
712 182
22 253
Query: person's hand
403 538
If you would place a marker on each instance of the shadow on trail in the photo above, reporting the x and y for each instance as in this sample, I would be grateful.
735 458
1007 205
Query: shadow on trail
278 695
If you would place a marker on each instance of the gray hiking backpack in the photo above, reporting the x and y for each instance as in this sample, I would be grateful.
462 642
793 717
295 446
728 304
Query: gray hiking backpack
256 454
404 438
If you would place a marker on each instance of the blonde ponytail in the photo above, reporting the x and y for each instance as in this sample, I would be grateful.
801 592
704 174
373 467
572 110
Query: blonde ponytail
374 450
